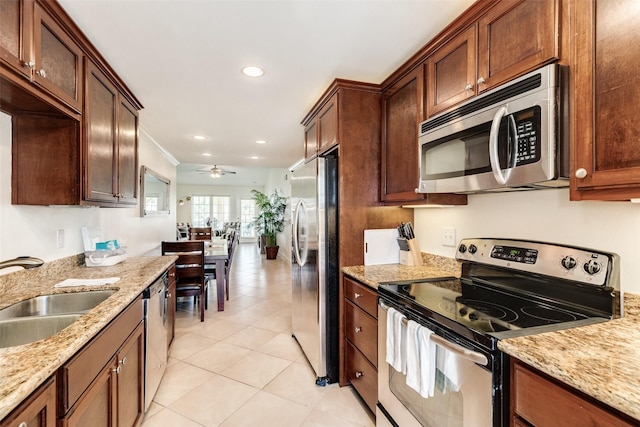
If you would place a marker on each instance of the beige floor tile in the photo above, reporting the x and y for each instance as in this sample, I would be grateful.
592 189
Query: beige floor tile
251 337
283 346
214 401
179 379
154 408
218 357
297 383
344 401
276 322
256 369
185 345
168 418
319 418
267 410
219 329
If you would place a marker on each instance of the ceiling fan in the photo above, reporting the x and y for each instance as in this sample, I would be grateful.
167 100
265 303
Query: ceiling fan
216 172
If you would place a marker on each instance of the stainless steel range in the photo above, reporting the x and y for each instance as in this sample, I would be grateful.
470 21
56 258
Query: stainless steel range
508 288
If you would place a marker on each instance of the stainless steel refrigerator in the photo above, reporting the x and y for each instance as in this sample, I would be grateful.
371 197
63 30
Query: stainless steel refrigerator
314 203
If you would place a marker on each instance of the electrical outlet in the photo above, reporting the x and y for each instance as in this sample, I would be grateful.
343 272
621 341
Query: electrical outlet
60 238
448 236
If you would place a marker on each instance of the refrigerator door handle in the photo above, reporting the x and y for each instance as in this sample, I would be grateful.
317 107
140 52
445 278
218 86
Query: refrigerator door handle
301 257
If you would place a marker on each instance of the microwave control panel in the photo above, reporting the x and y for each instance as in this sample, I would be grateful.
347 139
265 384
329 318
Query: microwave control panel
528 127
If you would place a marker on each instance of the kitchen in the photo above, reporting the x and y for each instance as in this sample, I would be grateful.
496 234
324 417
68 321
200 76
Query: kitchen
604 225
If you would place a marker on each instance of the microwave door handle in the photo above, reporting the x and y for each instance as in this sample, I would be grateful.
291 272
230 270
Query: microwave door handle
513 155
493 146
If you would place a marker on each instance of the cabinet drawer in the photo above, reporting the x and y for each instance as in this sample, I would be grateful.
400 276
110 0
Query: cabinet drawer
363 376
362 331
542 402
77 374
362 296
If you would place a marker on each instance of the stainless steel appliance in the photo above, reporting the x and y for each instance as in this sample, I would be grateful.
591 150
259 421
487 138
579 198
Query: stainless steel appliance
513 137
155 336
508 288
314 201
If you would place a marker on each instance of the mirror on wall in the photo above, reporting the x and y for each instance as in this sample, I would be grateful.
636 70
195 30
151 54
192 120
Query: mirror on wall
154 189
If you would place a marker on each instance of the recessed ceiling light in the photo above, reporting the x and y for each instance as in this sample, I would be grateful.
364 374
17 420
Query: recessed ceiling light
206 154
255 157
199 137
260 141
252 71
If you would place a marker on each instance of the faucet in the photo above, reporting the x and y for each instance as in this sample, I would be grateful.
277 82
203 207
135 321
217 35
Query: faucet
26 262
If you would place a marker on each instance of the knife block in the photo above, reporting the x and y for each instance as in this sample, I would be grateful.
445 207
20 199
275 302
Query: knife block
413 255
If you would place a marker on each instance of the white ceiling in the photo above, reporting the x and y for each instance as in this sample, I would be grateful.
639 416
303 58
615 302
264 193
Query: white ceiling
182 60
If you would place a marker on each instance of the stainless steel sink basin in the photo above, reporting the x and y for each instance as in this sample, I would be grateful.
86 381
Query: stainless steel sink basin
50 305
24 330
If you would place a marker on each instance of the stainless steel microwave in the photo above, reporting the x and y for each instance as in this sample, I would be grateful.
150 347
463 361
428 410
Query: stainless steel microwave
514 137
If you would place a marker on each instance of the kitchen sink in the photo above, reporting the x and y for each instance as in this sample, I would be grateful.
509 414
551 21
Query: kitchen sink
56 304
24 330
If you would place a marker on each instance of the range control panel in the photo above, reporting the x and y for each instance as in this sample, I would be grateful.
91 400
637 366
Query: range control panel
583 265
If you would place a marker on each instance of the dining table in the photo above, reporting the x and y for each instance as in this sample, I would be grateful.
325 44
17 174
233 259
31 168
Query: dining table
216 252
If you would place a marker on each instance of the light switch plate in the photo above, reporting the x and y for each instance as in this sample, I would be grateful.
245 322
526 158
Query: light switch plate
448 236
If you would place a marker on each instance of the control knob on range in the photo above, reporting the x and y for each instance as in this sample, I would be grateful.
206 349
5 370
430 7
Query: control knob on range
462 248
591 267
473 249
569 262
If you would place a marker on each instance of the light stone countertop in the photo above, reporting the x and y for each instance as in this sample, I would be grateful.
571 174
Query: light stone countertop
600 360
23 368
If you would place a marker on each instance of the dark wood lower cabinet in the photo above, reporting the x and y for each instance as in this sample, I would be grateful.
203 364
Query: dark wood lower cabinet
363 376
38 410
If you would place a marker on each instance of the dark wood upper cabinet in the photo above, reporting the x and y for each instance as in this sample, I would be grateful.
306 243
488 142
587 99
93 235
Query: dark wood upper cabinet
311 140
16 22
111 142
57 60
321 133
605 93
451 73
511 38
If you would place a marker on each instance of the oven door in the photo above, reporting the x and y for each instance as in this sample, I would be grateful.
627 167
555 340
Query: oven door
469 403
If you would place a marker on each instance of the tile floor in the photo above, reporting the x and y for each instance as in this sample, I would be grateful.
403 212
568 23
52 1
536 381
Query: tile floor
241 367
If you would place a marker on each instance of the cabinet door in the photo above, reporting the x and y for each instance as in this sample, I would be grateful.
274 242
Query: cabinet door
58 60
516 36
328 124
16 28
96 407
311 140
127 146
606 147
100 136
401 111
451 73
130 373
38 410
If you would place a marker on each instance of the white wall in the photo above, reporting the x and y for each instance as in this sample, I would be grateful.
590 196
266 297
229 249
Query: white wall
545 215
279 179
31 230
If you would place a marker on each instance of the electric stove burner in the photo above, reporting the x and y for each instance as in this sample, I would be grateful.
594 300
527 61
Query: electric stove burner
548 314
488 309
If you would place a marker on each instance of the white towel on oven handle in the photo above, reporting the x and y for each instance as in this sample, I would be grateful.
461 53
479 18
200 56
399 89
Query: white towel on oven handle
448 363
394 341
427 350
413 355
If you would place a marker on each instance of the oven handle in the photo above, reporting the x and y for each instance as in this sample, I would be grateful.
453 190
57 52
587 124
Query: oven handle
456 349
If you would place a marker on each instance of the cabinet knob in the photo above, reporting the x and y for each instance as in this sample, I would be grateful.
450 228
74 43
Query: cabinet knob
32 65
23 424
123 361
356 295
42 73
481 80
358 329
468 87
581 173
117 370
359 374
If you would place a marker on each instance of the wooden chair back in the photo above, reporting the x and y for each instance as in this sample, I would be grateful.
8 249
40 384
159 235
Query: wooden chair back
200 233
190 280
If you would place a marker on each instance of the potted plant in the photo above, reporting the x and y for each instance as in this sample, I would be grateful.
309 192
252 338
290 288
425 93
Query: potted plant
270 222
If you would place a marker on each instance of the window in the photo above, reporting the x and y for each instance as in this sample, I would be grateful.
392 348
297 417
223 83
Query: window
247 215
151 202
210 211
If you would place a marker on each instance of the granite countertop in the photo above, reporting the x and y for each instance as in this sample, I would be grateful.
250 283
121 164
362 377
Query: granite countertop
601 360
23 368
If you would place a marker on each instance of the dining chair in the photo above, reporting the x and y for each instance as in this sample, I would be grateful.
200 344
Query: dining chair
200 233
190 277
210 269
